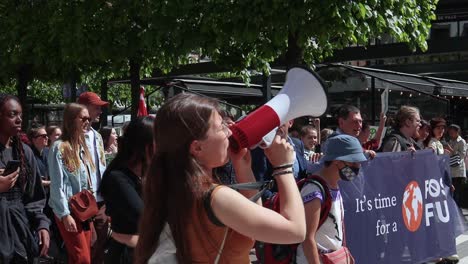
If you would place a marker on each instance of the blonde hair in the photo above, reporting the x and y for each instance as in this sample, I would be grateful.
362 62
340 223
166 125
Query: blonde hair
73 139
404 113
306 129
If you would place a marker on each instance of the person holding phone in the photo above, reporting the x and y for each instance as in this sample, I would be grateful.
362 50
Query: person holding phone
22 198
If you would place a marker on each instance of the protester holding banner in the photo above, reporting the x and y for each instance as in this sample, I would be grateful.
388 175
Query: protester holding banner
457 146
209 222
436 134
407 123
438 126
341 160
349 121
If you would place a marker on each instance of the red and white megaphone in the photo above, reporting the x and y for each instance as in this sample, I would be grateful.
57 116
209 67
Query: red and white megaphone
303 94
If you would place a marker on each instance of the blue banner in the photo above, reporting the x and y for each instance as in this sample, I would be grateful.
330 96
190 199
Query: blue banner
400 209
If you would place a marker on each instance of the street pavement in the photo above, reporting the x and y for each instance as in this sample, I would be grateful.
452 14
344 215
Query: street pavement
462 243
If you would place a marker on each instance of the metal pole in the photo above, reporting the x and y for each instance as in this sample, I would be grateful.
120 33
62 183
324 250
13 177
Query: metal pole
266 89
373 99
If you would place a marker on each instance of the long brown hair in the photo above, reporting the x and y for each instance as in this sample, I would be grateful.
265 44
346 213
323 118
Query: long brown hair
434 122
73 138
175 181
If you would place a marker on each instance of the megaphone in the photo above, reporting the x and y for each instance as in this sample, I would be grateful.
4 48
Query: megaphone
303 94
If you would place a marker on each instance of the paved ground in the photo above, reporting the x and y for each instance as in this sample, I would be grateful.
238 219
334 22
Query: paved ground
462 243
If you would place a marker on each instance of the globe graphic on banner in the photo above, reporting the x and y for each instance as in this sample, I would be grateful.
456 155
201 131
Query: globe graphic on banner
412 207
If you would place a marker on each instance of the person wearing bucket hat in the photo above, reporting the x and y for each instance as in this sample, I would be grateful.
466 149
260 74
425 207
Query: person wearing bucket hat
341 161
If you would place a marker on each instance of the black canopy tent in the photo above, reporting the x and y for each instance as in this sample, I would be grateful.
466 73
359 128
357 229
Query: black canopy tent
261 88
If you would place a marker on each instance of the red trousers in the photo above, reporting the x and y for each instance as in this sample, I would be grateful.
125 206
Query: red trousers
78 244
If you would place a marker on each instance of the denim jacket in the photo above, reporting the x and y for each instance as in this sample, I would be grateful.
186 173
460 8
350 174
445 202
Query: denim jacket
64 183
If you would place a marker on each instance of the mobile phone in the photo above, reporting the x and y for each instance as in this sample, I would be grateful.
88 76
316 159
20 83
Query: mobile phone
11 166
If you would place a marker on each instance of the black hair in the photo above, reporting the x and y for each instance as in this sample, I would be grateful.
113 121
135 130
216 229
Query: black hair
32 133
132 145
18 150
344 110
365 125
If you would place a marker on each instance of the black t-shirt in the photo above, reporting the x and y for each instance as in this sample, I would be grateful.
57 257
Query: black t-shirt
121 190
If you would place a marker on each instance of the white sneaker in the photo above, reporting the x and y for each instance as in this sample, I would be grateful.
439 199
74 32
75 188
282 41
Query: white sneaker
453 257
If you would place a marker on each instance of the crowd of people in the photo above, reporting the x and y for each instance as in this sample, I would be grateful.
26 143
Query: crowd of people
161 188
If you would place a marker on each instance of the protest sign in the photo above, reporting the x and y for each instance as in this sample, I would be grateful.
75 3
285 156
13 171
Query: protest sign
384 101
400 209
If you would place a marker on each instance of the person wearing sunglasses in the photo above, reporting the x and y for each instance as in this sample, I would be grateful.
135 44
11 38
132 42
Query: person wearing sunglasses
39 139
70 165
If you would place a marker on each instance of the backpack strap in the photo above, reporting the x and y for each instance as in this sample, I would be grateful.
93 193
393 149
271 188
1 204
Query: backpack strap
399 138
261 186
327 201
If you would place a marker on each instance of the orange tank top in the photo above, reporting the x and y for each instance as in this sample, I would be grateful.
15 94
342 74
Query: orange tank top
206 239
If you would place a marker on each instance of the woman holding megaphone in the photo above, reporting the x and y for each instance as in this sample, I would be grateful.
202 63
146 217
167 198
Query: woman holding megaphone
209 223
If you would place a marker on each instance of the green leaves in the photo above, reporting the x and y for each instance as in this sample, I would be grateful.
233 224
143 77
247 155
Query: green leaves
96 39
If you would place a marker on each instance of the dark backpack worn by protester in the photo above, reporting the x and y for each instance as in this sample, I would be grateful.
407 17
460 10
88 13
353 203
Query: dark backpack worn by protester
404 143
284 254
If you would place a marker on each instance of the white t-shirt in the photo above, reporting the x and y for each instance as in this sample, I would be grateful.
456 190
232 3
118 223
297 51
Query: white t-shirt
329 236
96 180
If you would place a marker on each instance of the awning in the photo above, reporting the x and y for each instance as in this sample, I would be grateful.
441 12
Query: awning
403 82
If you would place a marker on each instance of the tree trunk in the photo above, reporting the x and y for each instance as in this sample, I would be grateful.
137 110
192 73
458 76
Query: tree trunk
73 80
24 76
104 97
294 54
135 85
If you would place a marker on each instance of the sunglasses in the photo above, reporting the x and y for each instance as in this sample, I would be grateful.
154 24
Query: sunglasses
85 118
41 136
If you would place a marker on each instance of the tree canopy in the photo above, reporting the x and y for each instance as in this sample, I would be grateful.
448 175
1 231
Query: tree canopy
59 41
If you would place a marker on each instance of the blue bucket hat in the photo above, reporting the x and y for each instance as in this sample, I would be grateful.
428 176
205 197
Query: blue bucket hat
343 147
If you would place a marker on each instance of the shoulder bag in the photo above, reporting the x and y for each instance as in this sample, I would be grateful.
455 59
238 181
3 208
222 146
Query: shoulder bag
342 255
83 205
